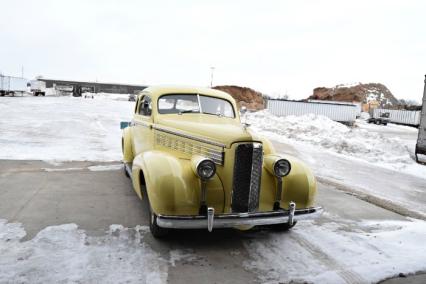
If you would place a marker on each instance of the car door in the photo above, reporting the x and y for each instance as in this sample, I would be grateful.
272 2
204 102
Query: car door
142 122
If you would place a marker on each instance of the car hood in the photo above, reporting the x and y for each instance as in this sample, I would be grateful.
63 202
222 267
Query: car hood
219 129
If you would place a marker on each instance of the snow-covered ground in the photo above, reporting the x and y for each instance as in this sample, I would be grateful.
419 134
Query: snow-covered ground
367 159
339 252
377 145
66 254
62 128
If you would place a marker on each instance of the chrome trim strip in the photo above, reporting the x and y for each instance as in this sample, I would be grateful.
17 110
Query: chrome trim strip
188 136
190 147
230 220
140 123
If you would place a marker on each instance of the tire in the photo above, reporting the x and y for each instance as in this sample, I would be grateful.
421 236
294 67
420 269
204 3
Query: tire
283 227
378 122
125 172
385 123
124 164
156 231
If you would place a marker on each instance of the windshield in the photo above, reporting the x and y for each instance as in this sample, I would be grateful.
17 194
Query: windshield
193 103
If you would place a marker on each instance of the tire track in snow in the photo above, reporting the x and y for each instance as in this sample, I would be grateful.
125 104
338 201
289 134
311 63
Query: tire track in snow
347 275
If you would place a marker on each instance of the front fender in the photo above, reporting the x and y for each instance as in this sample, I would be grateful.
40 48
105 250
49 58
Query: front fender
126 145
299 186
172 186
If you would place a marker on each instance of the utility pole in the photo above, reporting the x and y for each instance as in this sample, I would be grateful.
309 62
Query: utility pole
211 76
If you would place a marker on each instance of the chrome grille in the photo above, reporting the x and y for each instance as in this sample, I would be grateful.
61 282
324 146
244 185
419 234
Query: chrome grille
189 147
247 177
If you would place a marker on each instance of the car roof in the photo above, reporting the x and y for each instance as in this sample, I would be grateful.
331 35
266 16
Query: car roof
157 91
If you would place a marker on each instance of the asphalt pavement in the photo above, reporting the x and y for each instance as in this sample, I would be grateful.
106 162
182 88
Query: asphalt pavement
38 194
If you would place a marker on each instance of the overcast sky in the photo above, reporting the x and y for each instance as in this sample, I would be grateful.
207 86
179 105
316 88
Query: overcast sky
276 47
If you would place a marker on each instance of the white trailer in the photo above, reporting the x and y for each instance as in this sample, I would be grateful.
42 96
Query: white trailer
341 112
404 117
421 140
12 85
38 88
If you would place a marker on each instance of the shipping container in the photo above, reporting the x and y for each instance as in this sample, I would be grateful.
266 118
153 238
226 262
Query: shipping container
356 104
421 140
341 112
12 85
405 117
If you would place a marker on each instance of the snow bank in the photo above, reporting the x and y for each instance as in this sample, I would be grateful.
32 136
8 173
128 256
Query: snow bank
63 254
62 128
321 132
333 253
109 96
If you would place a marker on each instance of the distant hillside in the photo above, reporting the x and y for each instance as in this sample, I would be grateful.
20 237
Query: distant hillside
247 97
363 93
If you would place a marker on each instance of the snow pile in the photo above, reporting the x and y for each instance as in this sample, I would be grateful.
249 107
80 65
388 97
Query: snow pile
64 254
109 96
320 131
332 253
62 128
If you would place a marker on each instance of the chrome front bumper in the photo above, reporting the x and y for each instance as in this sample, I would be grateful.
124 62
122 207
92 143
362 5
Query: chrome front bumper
230 220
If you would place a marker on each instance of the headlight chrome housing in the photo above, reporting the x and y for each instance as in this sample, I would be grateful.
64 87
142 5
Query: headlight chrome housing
282 168
204 168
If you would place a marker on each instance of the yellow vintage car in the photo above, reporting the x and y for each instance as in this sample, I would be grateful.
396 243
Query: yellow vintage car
198 166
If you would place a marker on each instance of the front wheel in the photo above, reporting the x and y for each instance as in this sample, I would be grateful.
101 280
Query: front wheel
156 231
125 170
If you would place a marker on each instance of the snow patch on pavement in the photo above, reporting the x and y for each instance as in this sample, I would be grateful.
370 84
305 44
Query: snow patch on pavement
178 255
106 168
353 142
64 254
338 253
61 169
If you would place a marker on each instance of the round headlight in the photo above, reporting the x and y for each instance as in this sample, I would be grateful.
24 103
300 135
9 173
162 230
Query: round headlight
206 169
282 168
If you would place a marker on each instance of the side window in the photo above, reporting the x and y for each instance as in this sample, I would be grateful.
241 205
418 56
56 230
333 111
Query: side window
145 106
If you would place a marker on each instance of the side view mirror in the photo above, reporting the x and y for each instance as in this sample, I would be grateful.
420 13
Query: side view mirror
243 110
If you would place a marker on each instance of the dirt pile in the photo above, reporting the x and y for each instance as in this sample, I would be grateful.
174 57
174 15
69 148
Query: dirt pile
247 97
363 93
